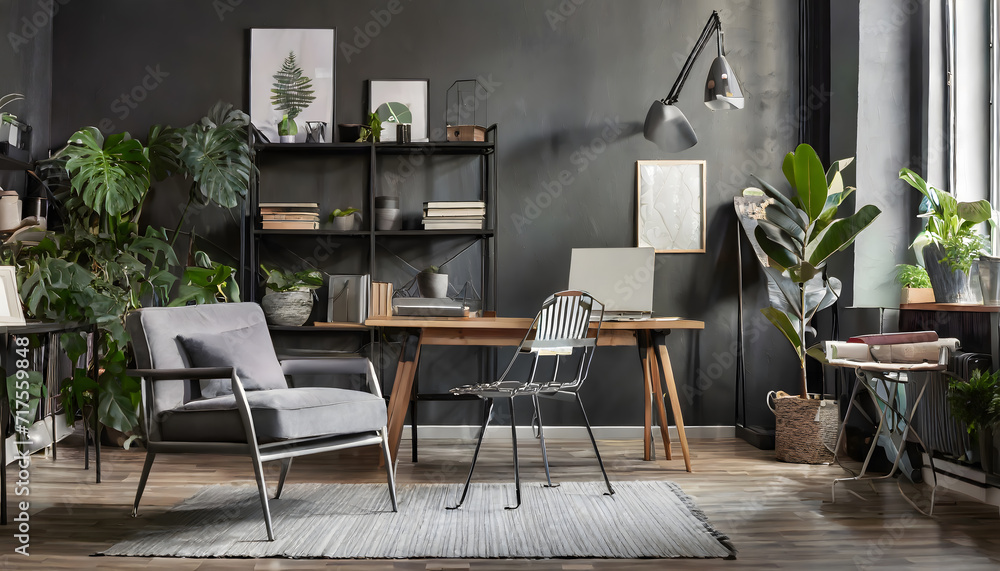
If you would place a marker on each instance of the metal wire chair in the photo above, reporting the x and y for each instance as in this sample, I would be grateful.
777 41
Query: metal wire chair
560 329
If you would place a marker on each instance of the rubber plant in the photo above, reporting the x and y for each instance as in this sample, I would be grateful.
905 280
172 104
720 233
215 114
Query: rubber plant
799 233
291 93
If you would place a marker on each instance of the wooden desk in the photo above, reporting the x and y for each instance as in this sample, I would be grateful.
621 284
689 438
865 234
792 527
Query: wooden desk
647 335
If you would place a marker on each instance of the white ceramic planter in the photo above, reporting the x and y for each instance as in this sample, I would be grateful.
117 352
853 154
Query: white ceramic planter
432 285
343 223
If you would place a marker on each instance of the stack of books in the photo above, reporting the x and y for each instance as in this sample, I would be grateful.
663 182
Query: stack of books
289 215
452 215
381 299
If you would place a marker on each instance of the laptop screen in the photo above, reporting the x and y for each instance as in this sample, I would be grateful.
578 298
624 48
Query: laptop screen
620 278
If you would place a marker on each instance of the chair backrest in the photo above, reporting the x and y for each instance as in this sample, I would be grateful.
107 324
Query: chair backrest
154 332
561 326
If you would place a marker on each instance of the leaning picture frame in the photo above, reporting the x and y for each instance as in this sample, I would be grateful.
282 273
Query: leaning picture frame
395 100
11 312
315 57
670 216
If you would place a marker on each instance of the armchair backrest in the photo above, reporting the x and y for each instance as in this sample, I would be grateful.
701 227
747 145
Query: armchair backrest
154 332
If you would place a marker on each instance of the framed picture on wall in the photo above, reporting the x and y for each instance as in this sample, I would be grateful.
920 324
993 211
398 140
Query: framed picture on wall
11 312
292 70
671 205
400 101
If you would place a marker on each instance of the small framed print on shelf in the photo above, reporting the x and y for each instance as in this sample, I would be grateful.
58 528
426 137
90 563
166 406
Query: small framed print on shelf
11 312
400 101
671 212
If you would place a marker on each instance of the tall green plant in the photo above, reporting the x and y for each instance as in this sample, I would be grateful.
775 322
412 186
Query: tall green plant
799 234
950 223
291 93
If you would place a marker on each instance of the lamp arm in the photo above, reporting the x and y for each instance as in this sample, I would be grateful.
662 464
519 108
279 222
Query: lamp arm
713 25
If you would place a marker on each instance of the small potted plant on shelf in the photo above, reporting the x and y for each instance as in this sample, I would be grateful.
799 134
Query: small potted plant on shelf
291 93
915 283
289 299
432 283
343 220
976 403
950 242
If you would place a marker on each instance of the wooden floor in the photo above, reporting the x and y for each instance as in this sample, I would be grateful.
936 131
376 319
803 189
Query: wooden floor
778 515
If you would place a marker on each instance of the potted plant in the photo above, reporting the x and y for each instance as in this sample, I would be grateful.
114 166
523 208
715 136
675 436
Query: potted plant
289 297
432 283
916 285
949 243
799 234
976 404
291 93
343 220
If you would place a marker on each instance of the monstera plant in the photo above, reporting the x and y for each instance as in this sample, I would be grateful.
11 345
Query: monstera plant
799 233
101 266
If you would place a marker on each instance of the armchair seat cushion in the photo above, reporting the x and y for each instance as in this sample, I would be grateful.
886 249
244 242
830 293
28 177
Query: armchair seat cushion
278 414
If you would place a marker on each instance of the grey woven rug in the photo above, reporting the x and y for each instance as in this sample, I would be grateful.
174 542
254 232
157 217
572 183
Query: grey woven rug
345 521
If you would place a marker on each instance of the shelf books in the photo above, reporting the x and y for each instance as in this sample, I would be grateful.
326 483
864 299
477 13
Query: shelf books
381 299
289 215
454 215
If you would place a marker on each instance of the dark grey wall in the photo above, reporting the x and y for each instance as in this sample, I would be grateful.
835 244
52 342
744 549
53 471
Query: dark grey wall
573 81
26 68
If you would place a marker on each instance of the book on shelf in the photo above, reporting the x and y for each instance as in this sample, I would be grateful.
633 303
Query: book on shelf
381 299
289 225
895 338
288 206
348 299
450 212
455 204
453 224
313 216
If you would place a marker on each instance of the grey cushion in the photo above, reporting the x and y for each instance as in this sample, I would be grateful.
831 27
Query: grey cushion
280 414
248 350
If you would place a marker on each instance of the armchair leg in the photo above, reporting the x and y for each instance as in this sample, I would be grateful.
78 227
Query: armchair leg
285 465
142 481
593 441
517 471
487 413
389 467
262 490
541 437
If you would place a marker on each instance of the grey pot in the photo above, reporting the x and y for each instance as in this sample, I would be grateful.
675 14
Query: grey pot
949 286
343 223
989 279
432 285
287 308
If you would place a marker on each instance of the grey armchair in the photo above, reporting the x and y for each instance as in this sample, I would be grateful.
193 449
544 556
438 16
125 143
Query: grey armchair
211 383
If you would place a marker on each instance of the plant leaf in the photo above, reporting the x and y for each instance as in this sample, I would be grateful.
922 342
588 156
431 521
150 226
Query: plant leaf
809 180
784 324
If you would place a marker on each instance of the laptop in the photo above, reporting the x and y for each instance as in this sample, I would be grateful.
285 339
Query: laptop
620 278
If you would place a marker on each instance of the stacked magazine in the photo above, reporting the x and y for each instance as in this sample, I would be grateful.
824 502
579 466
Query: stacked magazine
454 215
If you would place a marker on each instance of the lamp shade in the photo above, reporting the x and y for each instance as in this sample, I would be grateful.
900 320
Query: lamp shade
722 89
667 126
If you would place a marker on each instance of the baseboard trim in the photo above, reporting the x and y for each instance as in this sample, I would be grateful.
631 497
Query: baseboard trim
445 432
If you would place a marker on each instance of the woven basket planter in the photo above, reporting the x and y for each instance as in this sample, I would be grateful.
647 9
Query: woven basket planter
806 430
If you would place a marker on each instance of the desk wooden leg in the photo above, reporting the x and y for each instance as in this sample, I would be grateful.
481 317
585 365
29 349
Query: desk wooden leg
647 402
654 378
399 399
675 403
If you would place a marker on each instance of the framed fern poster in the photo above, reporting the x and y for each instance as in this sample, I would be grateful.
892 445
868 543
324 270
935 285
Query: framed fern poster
292 80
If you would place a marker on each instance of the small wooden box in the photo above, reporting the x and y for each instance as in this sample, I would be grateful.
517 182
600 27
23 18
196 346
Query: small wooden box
916 295
466 133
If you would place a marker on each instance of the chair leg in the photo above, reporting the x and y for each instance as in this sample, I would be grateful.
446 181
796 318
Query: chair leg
593 441
285 465
262 490
142 481
487 413
389 468
517 472
541 437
